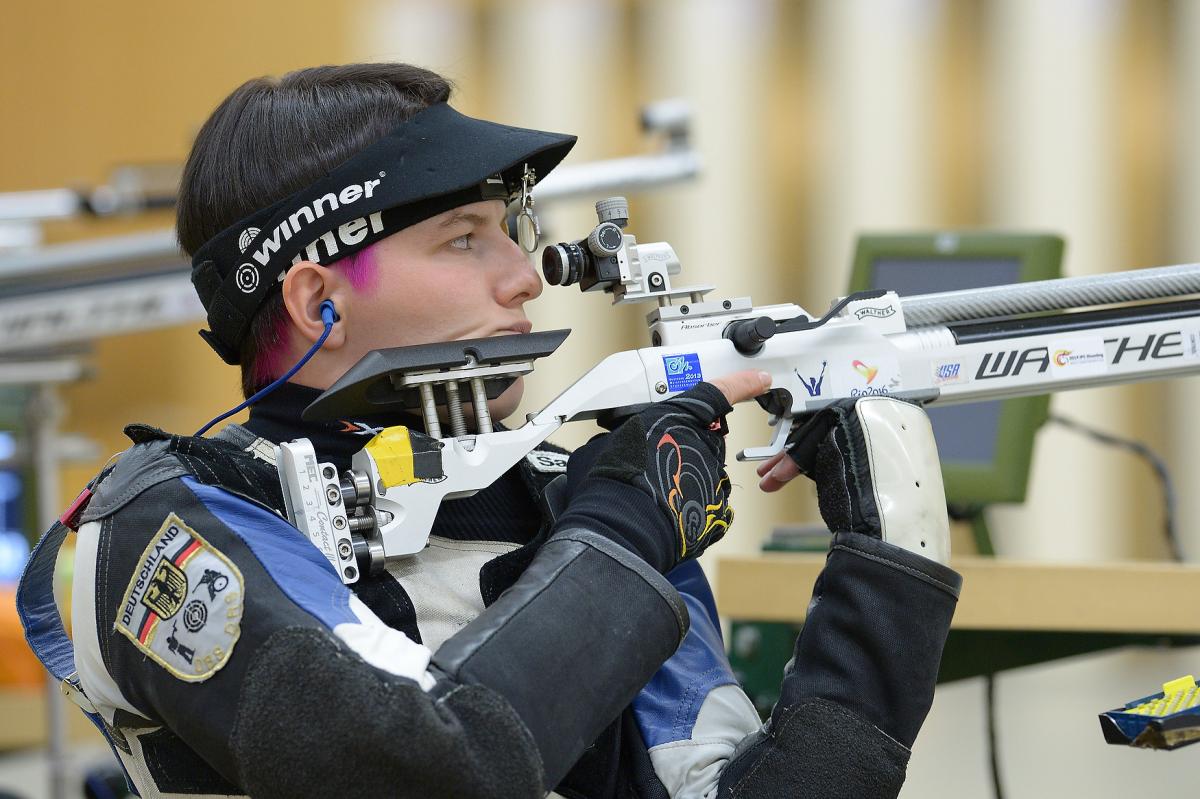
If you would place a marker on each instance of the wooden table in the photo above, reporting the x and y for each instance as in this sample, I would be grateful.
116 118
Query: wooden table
1010 614
997 594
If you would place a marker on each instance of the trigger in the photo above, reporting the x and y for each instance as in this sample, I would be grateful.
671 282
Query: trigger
783 426
777 401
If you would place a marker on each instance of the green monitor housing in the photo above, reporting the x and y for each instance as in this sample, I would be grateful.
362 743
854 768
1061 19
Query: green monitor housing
985 447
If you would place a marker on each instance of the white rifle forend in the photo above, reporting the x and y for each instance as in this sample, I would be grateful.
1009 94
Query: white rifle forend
865 346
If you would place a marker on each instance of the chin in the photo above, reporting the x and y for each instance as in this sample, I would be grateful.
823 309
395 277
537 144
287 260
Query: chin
506 404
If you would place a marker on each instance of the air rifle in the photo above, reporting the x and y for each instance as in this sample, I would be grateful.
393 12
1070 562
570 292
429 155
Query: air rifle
944 348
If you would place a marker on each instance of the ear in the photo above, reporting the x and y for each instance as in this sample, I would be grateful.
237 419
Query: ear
305 286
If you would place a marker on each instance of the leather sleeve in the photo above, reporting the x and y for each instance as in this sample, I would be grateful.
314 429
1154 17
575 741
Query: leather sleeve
218 620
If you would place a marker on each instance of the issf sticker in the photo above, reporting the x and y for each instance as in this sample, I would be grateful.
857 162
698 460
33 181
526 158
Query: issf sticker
183 606
683 371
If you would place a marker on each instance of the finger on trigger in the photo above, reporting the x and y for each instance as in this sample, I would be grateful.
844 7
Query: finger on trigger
741 386
782 474
769 464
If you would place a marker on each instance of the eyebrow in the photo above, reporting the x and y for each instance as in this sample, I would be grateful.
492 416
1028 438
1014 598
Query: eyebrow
464 216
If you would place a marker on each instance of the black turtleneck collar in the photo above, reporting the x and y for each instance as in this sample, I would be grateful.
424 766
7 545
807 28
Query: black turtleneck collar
504 511
276 417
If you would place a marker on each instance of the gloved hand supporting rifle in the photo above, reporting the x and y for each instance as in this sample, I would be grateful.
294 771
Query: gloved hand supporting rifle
861 682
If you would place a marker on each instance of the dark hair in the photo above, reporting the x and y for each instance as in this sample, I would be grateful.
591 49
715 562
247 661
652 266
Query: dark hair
273 136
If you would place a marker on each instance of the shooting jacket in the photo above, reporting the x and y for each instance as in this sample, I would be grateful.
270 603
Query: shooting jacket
184 570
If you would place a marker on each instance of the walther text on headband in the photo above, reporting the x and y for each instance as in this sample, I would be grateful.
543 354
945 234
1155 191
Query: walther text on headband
437 160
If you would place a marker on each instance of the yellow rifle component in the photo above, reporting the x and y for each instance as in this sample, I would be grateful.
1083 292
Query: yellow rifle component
393 454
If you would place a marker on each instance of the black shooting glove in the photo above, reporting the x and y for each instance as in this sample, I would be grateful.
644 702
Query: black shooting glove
875 465
657 484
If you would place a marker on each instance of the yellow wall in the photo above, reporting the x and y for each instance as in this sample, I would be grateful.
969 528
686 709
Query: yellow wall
89 86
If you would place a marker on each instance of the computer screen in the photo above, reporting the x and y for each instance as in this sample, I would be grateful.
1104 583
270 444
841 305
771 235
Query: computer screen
985 447
965 433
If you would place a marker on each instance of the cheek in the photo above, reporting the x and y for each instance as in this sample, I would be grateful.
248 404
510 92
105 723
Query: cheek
413 304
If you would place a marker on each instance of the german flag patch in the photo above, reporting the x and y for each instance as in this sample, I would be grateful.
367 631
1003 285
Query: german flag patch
183 607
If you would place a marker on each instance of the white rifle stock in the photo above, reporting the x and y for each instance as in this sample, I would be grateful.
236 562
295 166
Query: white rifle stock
955 347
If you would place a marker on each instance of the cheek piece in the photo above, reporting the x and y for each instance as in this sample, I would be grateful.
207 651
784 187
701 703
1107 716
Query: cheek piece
329 316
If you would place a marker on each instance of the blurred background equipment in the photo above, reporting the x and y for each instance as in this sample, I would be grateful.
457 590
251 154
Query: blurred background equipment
1168 719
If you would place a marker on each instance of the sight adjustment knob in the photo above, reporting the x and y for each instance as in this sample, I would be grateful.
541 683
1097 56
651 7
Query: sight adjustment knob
613 209
605 239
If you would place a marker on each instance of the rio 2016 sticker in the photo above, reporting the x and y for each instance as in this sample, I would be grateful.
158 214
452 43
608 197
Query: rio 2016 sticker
865 374
683 371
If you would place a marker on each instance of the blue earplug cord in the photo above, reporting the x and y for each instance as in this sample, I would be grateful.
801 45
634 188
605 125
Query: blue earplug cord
328 316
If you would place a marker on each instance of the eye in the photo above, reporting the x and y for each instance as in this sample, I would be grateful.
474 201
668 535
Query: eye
462 242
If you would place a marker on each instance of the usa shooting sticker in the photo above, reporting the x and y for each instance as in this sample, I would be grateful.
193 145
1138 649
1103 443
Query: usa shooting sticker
683 371
183 607
950 373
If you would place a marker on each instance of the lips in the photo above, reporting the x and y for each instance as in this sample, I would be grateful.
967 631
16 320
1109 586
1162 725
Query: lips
516 328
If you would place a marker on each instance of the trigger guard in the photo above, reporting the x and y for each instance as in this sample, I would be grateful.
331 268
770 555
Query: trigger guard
783 427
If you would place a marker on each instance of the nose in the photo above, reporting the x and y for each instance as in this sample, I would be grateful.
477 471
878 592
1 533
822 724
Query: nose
520 281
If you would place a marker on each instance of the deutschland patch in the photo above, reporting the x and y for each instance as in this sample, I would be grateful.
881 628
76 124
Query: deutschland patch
183 606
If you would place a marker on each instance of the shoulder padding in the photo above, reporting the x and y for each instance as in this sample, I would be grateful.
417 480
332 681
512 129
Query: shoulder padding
139 468
160 457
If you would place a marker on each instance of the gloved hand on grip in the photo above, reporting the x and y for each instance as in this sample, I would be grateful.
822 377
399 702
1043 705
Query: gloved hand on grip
657 484
860 684
875 465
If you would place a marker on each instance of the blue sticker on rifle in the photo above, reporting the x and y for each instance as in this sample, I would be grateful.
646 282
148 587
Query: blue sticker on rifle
683 371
